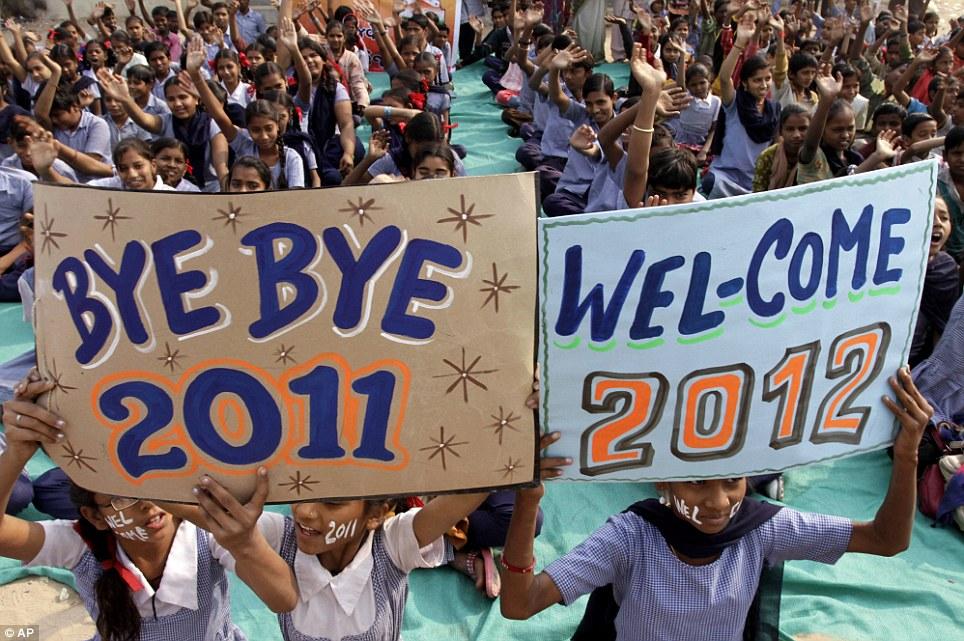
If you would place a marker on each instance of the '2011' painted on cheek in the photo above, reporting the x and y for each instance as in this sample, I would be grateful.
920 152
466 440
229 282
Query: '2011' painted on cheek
338 531
119 523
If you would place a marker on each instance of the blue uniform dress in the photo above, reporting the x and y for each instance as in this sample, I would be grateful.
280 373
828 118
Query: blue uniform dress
661 598
365 601
185 612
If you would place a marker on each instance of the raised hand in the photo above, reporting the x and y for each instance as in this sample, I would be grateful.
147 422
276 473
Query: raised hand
12 26
43 151
866 11
569 56
131 5
828 86
519 21
649 77
27 425
378 145
655 201
612 19
288 34
672 101
885 144
583 138
744 33
900 13
911 409
113 84
777 22
534 14
644 17
196 55
476 23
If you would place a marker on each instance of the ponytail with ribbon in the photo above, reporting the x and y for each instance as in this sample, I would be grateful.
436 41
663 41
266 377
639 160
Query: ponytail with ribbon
117 616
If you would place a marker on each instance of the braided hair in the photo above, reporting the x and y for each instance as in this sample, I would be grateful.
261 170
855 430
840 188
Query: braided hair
117 616
272 111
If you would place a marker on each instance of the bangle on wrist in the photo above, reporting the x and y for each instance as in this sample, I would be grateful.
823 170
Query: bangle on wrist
516 569
643 130
387 112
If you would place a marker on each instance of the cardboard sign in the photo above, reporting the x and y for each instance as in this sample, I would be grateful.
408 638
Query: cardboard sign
358 342
732 337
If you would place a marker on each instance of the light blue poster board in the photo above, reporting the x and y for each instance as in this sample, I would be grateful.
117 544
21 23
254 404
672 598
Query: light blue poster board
731 337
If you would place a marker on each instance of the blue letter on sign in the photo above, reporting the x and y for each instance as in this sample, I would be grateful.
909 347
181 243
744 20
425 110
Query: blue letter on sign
262 409
408 286
287 269
79 304
173 284
603 317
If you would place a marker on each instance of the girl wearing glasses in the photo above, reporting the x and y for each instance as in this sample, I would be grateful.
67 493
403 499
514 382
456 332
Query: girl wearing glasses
143 573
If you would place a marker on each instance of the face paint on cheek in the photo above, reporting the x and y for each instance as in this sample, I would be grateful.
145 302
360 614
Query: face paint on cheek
684 510
137 534
120 524
735 509
118 521
338 531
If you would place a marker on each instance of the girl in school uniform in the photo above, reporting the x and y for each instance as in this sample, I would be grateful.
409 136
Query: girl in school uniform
263 136
207 146
142 573
350 560
572 189
171 158
423 128
248 174
227 65
747 125
709 541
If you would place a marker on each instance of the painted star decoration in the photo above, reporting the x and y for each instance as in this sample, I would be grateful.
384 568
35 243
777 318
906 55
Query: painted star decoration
509 469
48 235
57 378
465 374
360 210
230 217
169 359
77 457
495 287
296 483
283 354
442 446
463 217
112 218
503 422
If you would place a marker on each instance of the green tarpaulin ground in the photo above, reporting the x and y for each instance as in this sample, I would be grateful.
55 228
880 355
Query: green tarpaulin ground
916 596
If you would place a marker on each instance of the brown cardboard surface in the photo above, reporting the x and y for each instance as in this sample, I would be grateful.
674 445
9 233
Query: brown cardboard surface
416 387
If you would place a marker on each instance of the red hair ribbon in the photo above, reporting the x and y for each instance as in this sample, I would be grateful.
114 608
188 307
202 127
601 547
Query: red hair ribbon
188 169
106 44
413 501
450 126
417 100
251 91
292 81
212 64
298 114
423 83
243 59
51 34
